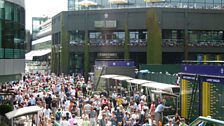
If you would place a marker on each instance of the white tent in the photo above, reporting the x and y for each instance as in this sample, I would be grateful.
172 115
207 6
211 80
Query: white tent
23 111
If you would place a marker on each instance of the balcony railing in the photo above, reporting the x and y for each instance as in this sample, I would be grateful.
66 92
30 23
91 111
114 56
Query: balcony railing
168 4
140 42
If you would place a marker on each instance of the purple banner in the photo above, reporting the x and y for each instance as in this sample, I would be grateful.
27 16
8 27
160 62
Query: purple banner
114 63
203 69
213 80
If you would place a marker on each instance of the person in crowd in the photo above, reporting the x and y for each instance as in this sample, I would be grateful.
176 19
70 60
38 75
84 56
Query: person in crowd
47 111
104 103
176 119
48 101
114 95
159 113
73 121
93 117
106 111
152 112
58 115
64 121
86 121
54 104
182 122
119 116
146 123
103 120
113 119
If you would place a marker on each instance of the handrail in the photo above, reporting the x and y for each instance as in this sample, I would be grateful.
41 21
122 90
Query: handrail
206 120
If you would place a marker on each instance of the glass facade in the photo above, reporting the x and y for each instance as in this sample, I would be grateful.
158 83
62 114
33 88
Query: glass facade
12 31
206 4
195 38
36 22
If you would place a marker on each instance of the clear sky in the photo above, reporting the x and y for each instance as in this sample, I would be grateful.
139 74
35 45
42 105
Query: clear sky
40 8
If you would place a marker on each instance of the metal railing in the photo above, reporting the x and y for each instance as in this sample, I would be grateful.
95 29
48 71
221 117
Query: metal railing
141 42
206 120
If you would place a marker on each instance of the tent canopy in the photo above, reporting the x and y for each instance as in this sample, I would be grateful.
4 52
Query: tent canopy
23 111
138 81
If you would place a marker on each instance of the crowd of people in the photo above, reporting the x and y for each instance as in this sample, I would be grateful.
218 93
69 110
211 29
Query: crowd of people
68 99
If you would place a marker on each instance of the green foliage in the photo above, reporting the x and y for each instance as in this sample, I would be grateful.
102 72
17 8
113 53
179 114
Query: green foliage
126 42
64 55
86 56
154 41
4 108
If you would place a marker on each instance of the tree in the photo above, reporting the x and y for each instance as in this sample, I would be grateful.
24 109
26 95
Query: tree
126 42
64 49
154 40
86 55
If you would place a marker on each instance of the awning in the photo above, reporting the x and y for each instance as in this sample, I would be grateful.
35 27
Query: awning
107 76
23 111
157 85
138 81
163 92
122 78
31 54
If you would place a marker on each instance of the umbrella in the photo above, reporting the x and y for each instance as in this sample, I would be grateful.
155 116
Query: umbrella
87 3
118 1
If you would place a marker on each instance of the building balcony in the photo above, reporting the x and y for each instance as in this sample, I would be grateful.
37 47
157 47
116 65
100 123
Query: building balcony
169 45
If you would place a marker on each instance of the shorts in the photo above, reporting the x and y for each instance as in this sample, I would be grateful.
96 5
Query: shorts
158 116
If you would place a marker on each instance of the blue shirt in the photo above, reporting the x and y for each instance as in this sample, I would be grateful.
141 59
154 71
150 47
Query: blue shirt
160 108
119 116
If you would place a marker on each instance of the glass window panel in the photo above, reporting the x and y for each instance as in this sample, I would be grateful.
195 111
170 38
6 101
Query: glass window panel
1 28
9 53
1 13
121 35
8 11
1 53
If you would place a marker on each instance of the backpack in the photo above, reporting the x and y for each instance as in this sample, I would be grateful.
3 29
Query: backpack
58 116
